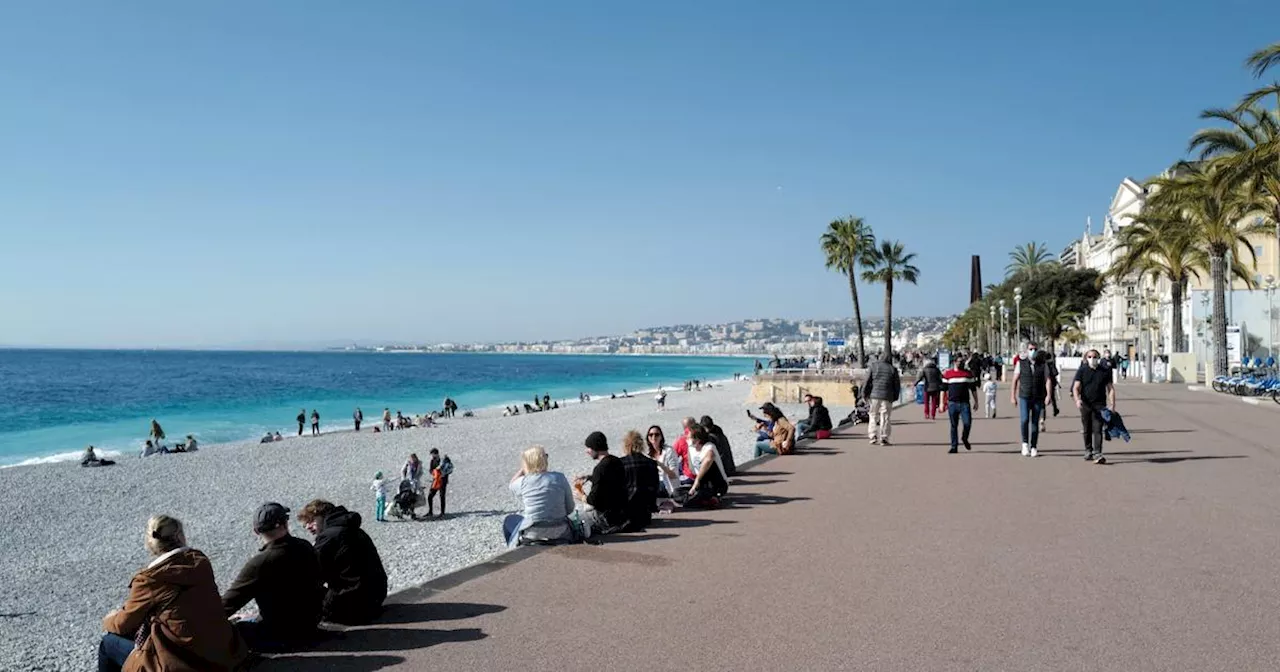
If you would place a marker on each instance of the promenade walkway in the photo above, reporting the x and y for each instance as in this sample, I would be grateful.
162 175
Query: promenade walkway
849 556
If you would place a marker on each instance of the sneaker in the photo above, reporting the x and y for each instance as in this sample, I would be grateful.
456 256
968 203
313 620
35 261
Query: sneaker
875 442
884 442
1026 450
967 446
953 450
1099 459
1034 453
1090 456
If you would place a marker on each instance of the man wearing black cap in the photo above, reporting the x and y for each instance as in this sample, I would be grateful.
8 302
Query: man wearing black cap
608 496
284 578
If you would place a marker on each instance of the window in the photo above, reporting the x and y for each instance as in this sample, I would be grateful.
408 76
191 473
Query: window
1257 250
1130 321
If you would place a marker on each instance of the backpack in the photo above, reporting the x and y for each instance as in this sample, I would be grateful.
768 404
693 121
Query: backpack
446 466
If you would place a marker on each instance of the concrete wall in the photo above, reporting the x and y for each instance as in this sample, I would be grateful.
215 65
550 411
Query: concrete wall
835 390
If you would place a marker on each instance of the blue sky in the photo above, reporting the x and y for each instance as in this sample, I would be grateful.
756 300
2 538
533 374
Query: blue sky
184 174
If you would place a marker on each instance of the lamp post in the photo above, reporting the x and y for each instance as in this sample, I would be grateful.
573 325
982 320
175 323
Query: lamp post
991 330
1004 329
1017 307
1146 328
1271 294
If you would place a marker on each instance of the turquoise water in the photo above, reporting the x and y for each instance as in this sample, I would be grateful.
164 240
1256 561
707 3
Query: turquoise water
55 402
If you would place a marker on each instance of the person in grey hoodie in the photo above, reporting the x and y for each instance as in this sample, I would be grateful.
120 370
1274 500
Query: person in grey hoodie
883 387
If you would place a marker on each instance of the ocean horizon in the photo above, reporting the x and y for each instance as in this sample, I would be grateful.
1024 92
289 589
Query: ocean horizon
54 402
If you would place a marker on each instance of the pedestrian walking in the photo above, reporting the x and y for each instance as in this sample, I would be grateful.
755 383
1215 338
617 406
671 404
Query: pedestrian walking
1094 392
358 416
1030 389
990 389
931 376
960 392
883 387
302 420
315 422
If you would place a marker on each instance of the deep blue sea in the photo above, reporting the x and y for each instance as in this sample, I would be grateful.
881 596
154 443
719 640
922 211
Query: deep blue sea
53 403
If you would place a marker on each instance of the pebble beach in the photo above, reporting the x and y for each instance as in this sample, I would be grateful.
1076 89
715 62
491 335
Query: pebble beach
73 536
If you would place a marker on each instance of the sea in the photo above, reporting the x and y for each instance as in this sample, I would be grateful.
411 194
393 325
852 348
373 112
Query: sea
53 403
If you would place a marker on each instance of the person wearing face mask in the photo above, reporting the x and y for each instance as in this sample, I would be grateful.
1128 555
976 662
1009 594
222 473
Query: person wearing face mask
1031 386
1093 391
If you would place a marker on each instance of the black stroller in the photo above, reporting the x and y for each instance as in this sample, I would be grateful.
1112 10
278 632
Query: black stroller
405 501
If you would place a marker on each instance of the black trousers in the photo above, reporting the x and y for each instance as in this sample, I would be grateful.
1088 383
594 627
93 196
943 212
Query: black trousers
300 428
1091 427
431 499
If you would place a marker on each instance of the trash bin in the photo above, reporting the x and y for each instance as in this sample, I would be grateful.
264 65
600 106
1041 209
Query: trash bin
920 392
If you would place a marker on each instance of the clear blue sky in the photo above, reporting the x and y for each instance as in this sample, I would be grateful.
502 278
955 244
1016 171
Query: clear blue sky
228 172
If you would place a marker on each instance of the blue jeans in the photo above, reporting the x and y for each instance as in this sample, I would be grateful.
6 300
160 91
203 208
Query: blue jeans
511 528
1029 411
380 508
959 413
802 428
112 652
765 448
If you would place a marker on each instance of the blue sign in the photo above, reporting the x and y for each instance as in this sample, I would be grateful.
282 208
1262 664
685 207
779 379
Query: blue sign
835 341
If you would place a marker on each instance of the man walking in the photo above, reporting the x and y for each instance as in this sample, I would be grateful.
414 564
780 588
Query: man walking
960 393
1029 390
1093 391
883 388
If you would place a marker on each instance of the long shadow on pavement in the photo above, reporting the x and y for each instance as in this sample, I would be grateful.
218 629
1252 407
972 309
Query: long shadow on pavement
1173 460
421 612
344 663
748 500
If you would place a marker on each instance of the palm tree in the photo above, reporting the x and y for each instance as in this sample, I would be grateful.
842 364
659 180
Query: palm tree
1248 150
890 263
1161 243
846 244
1028 258
1260 62
1053 318
1221 215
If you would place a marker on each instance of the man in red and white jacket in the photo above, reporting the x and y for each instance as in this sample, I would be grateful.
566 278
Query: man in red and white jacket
959 384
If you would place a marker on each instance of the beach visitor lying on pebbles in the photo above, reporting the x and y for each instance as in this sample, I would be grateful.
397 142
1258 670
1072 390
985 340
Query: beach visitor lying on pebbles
173 618
546 502
352 571
91 459
284 580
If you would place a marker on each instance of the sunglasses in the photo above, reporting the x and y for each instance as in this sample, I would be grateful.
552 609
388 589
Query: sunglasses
655 434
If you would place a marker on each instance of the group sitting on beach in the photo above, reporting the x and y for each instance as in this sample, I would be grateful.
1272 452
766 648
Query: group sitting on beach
620 494
174 618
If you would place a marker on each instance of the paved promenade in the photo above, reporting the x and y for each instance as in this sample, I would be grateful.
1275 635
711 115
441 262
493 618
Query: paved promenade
855 557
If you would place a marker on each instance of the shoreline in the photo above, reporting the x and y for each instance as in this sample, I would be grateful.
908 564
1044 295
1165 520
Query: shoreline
216 490
115 448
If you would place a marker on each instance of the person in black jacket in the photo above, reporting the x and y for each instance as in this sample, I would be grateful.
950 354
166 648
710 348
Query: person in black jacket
819 418
608 496
642 482
284 579
356 583
722 445
931 376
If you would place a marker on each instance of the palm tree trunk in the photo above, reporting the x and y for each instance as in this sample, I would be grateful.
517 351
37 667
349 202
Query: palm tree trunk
888 316
1176 290
1217 270
857 317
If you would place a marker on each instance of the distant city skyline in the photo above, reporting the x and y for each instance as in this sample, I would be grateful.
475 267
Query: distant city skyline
198 175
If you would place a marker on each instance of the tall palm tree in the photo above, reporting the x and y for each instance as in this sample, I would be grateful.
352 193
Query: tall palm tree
1161 243
846 244
1029 258
1261 61
890 263
1053 317
1221 218
1248 150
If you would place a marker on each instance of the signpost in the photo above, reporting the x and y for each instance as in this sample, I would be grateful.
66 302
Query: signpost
835 342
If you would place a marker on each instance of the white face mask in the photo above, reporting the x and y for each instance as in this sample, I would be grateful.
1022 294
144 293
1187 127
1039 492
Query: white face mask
1031 352
1093 362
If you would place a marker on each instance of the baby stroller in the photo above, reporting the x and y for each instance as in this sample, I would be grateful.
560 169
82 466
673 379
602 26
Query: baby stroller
861 413
406 500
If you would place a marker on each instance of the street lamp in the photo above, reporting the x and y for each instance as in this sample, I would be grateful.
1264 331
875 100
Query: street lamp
991 330
1017 305
1004 329
1146 329
1271 294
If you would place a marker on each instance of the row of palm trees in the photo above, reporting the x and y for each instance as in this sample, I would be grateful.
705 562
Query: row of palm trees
850 247
1202 212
